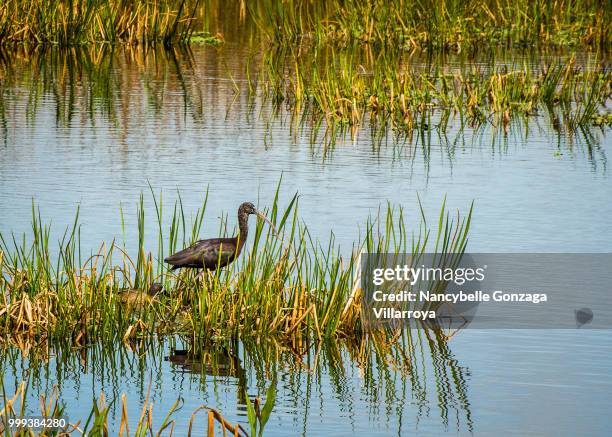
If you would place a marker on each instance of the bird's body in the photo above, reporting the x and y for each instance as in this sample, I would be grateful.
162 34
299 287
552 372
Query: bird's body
135 296
216 252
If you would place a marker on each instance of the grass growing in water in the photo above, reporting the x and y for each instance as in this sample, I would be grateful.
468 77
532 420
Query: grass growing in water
324 95
430 376
343 90
69 23
423 24
431 24
97 423
293 289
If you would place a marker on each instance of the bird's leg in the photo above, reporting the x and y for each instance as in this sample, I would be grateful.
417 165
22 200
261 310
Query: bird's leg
201 275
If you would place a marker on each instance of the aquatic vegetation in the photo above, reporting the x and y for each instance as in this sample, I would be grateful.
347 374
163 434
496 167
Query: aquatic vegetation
294 286
98 418
342 91
425 24
205 38
69 23
429 24
339 66
258 417
416 368
602 119
402 98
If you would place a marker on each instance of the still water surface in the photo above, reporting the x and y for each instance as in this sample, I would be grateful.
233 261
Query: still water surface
183 128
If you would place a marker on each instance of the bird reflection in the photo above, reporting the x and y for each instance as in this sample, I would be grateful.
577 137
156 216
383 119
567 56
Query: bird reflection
215 360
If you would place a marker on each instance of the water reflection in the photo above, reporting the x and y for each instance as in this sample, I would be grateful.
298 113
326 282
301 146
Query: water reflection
369 384
124 91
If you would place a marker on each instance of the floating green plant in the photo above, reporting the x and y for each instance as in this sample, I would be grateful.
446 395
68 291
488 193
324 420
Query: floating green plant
205 38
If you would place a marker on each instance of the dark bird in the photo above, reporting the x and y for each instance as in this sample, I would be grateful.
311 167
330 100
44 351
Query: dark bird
135 296
583 316
217 252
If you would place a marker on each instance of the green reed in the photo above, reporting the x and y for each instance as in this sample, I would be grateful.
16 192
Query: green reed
423 24
97 422
341 90
74 22
394 373
428 24
342 65
326 95
294 286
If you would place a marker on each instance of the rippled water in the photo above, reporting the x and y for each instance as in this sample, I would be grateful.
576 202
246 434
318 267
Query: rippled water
177 124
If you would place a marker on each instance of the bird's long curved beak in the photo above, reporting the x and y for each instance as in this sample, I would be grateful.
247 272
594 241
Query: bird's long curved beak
264 218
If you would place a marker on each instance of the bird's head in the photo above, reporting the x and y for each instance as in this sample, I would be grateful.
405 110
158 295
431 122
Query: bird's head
155 289
248 208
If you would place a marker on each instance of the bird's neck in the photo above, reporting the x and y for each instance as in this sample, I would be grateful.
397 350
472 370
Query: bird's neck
243 227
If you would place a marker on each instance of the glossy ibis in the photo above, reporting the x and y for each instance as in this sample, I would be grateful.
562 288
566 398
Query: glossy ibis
217 252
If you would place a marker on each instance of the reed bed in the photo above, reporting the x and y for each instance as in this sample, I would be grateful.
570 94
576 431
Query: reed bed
423 24
75 22
97 423
325 95
428 24
292 288
341 65
341 91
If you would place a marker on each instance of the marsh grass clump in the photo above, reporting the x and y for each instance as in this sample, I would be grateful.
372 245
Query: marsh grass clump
292 287
344 90
328 97
255 369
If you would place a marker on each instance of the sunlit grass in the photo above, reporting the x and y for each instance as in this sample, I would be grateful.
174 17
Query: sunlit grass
342 91
256 369
289 287
75 22
409 25
325 96
428 24
97 422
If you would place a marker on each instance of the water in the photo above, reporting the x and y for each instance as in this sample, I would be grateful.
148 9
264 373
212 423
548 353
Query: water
97 137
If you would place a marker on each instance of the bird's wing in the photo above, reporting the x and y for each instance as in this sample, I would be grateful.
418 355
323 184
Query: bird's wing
190 256
202 253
